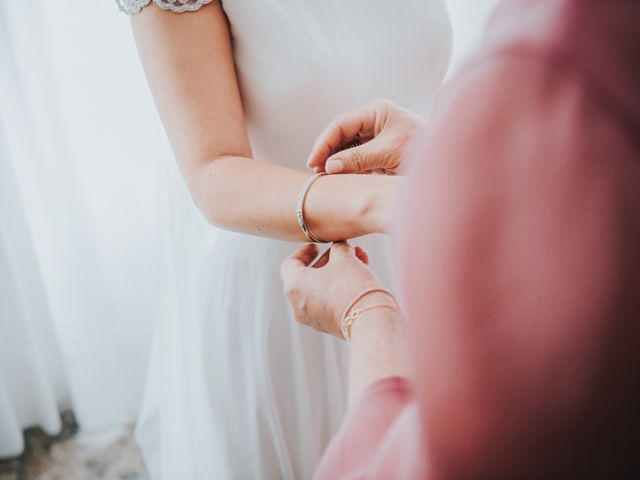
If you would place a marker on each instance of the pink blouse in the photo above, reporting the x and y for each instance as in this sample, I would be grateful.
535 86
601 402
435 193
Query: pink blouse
519 254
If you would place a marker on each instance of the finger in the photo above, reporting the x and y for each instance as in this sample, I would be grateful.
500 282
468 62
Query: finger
357 124
340 250
322 260
369 156
298 260
362 254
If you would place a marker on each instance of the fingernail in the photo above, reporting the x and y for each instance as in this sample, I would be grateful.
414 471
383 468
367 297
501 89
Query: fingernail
334 166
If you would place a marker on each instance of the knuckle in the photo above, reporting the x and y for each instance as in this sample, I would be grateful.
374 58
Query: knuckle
342 119
300 320
389 160
332 128
291 290
303 306
358 161
382 103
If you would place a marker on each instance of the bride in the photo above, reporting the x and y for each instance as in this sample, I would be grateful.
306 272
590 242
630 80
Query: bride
243 88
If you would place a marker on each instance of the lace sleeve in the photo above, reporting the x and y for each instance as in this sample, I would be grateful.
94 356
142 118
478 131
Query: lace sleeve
131 7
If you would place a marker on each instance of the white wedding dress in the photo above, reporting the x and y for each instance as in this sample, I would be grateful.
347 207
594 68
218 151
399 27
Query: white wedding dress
236 388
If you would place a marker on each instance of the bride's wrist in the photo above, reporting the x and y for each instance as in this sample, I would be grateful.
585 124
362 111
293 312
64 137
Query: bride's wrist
379 203
362 203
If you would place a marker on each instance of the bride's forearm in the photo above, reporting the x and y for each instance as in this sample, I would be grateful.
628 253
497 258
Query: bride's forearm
245 195
189 63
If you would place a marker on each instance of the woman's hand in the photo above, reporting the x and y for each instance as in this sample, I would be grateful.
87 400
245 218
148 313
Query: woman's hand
383 130
320 293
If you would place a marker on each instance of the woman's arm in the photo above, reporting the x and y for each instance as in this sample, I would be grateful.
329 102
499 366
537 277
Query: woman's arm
189 65
378 349
320 294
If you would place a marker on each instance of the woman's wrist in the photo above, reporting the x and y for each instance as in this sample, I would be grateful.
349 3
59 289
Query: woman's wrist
377 349
352 205
376 323
377 203
375 298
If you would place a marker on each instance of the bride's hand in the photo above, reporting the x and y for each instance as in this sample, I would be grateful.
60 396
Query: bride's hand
384 131
320 293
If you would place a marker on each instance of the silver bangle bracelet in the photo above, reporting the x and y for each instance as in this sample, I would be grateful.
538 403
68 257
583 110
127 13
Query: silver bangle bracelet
300 207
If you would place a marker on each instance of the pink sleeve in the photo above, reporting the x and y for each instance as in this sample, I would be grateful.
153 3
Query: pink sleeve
521 273
375 435
518 250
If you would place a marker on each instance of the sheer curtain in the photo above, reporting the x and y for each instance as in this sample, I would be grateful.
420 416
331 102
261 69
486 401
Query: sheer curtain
80 144
469 19
83 194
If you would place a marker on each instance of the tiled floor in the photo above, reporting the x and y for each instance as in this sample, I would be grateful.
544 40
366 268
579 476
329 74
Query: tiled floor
70 456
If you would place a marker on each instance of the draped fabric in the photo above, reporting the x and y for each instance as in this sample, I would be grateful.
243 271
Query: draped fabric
468 20
79 149
25 326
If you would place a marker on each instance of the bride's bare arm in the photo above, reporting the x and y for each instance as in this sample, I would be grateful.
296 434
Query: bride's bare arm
189 65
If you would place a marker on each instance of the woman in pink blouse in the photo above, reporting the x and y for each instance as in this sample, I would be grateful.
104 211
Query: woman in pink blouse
518 252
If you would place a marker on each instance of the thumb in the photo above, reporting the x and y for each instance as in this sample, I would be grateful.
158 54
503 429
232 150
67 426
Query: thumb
363 158
341 250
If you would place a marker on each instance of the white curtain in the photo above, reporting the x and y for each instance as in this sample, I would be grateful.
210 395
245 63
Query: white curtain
82 155
80 144
469 18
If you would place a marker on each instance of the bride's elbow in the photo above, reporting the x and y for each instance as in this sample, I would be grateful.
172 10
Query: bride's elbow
212 205
214 200
214 190
212 214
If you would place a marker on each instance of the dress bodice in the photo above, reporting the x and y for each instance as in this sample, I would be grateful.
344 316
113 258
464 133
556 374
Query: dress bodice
302 62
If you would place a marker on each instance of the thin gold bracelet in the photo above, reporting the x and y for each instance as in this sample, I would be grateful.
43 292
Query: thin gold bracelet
348 322
300 207
349 316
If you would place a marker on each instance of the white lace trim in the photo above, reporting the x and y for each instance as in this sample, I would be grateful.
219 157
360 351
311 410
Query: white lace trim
131 7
